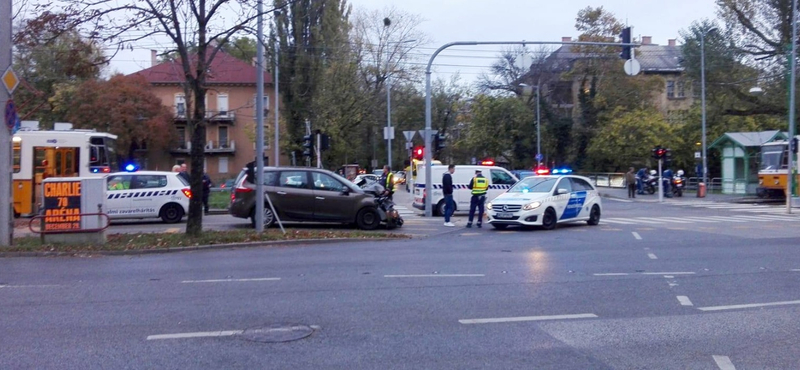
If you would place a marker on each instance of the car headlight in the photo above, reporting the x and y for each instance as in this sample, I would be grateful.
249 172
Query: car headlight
489 205
530 206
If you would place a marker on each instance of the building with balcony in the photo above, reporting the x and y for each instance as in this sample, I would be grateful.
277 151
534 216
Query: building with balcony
230 115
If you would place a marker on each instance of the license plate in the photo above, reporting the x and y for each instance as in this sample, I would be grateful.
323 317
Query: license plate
504 215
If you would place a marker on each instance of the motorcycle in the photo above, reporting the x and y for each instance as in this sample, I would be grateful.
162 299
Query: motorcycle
390 216
651 183
678 183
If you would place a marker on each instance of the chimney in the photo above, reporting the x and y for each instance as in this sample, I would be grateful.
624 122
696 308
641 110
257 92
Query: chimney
153 58
647 40
566 39
671 42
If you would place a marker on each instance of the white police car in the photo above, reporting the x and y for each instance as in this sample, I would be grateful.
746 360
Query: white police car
147 194
546 201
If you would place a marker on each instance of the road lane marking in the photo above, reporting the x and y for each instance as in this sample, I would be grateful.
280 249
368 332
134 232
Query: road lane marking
470 234
615 221
699 219
751 305
201 334
669 273
636 235
528 318
724 362
684 300
29 286
652 256
724 218
228 280
433 275
676 220
642 273
795 269
612 274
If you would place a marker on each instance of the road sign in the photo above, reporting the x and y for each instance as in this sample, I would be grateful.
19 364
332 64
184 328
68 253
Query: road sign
409 135
11 114
10 80
388 133
422 133
539 157
632 67
697 154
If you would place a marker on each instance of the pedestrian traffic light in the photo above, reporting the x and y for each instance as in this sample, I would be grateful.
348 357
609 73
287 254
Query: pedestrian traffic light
307 145
324 142
418 152
625 38
793 145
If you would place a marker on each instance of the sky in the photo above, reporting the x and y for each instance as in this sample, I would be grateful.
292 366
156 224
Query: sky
504 20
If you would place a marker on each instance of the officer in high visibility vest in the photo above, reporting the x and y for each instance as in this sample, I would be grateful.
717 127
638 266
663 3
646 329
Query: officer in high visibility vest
479 186
387 181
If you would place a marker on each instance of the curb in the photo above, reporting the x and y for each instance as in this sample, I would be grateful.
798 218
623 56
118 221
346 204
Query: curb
135 252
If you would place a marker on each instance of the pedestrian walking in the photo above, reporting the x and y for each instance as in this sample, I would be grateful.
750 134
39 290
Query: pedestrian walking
447 190
479 186
630 180
207 184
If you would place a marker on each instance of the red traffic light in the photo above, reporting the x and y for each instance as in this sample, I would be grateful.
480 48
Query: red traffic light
419 152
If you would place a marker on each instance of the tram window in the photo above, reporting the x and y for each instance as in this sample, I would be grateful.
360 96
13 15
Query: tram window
17 156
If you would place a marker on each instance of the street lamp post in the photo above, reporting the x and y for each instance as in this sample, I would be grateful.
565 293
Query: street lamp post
703 98
538 124
792 77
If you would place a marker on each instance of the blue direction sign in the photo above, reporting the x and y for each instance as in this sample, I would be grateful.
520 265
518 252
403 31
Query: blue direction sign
11 114
539 157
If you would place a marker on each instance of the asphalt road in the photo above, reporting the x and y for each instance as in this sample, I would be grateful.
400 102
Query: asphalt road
696 285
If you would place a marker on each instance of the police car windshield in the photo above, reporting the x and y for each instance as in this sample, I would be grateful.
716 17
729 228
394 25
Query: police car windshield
534 185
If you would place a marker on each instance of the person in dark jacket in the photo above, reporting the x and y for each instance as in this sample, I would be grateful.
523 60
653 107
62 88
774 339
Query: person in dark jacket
630 181
640 176
207 184
447 190
387 181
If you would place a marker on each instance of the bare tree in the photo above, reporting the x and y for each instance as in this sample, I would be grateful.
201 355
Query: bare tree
196 30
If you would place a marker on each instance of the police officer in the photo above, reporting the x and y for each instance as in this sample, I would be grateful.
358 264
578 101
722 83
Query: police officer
479 186
640 176
387 181
666 178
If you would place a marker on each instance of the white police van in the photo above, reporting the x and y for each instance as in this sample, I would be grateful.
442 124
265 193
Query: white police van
499 178
546 201
147 194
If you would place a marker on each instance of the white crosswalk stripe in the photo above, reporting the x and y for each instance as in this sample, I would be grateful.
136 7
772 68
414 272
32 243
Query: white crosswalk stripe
664 221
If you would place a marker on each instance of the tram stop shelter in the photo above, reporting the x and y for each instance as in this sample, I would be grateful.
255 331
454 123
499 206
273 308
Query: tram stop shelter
740 153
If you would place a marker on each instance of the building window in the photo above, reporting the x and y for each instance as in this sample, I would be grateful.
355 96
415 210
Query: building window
223 137
681 90
222 104
182 138
670 89
266 105
696 89
223 165
180 105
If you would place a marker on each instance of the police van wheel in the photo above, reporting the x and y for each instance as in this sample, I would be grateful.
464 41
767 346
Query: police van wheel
440 208
594 216
171 213
368 219
549 219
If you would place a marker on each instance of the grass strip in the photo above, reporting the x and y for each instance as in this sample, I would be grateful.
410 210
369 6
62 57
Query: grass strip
151 241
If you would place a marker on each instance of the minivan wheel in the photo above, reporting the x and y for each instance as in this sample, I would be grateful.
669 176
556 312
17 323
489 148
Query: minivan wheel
171 213
440 208
368 219
269 217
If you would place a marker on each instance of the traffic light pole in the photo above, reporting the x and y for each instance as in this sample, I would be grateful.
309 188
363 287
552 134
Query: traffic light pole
428 119
6 211
660 183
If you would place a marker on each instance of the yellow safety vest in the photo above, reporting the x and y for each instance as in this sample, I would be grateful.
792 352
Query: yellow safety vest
389 185
479 185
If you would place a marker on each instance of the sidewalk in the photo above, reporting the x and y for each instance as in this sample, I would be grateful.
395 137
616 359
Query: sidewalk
688 196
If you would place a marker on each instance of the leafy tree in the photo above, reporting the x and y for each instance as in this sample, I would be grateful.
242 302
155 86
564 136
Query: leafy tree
509 115
46 55
124 106
242 48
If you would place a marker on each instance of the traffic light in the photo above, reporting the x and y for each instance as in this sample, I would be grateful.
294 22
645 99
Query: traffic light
440 141
660 153
307 145
419 152
793 145
324 142
625 38
667 156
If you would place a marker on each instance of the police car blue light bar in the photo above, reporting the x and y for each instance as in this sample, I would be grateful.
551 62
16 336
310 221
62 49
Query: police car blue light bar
131 167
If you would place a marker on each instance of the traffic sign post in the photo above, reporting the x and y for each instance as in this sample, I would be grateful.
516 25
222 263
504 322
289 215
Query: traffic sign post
10 82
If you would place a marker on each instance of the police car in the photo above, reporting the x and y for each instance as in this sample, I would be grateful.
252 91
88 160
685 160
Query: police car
546 201
147 194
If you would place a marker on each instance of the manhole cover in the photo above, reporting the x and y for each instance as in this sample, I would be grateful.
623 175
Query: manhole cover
277 333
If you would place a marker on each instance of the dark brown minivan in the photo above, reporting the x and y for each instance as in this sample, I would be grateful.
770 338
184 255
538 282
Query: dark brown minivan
305 194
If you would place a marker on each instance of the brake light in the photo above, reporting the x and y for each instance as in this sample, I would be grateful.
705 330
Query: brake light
187 192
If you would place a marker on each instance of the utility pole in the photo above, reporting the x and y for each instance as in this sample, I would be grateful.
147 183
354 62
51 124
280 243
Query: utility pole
277 154
259 214
6 212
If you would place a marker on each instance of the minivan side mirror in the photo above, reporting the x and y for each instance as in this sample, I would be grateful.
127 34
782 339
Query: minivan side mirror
562 191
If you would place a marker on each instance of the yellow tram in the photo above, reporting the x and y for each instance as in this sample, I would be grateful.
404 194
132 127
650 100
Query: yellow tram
58 153
773 169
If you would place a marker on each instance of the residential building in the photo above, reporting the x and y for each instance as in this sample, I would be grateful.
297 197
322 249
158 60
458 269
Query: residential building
230 114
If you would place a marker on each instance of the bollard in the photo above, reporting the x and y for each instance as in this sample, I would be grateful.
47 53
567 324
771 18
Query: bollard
701 190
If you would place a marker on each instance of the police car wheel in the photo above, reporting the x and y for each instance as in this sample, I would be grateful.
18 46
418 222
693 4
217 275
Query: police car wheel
171 213
549 219
440 208
594 216
368 219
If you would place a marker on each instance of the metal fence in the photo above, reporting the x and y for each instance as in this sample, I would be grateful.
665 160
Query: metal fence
617 180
